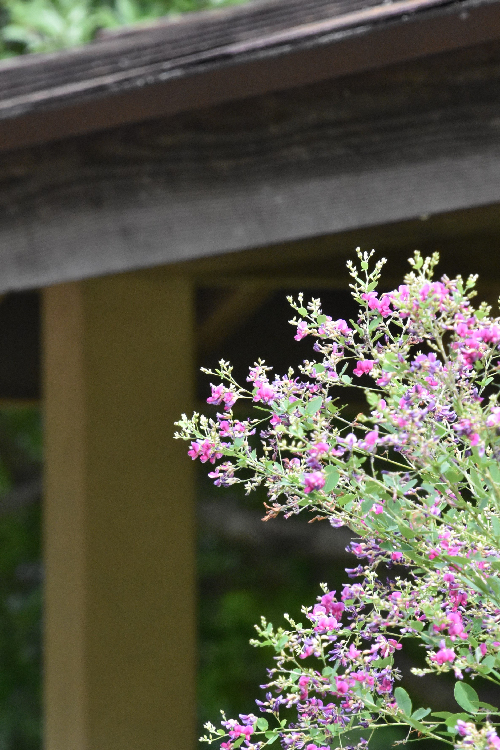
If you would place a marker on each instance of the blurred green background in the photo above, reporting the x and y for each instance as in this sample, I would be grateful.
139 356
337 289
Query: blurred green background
20 577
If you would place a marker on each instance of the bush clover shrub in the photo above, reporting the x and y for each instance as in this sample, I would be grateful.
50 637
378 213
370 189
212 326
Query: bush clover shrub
415 476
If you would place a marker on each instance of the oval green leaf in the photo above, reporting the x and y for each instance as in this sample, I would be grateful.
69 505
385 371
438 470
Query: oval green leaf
403 700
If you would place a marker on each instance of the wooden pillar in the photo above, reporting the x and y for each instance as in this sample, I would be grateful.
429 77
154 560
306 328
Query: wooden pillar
119 515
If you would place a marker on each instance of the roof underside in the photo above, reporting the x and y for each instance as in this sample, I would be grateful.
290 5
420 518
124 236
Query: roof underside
201 59
277 122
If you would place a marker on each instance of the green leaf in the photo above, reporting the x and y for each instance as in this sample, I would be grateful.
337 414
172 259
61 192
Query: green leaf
262 724
321 319
441 714
416 625
271 737
314 405
495 523
489 661
494 470
494 583
344 499
302 311
453 475
319 368
493 709
406 531
420 713
403 700
346 379
466 697
332 478
238 742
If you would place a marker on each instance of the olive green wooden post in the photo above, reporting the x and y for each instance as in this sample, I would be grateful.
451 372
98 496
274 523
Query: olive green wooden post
119 515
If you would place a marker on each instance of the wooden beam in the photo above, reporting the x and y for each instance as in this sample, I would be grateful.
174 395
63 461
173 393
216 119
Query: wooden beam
202 59
344 156
119 516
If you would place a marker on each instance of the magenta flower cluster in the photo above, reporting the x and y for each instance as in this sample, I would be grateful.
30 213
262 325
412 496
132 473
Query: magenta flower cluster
416 476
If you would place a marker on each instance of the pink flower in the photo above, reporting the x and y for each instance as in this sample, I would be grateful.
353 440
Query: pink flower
265 392
224 428
381 305
385 379
371 438
217 394
341 685
490 335
372 299
229 399
378 509
326 624
303 684
494 419
456 625
302 330
313 481
444 655
205 451
493 740
404 292
342 327
353 652
332 606
222 395
363 366
318 450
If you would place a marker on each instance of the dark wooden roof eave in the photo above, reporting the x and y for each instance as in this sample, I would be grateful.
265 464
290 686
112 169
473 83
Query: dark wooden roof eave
208 58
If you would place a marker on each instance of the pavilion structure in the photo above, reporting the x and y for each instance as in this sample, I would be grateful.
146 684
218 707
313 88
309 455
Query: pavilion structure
249 148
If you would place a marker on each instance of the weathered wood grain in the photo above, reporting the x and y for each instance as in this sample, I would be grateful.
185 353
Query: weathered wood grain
343 155
142 55
208 58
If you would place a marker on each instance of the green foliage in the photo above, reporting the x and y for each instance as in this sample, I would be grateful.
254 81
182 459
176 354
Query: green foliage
50 25
20 579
